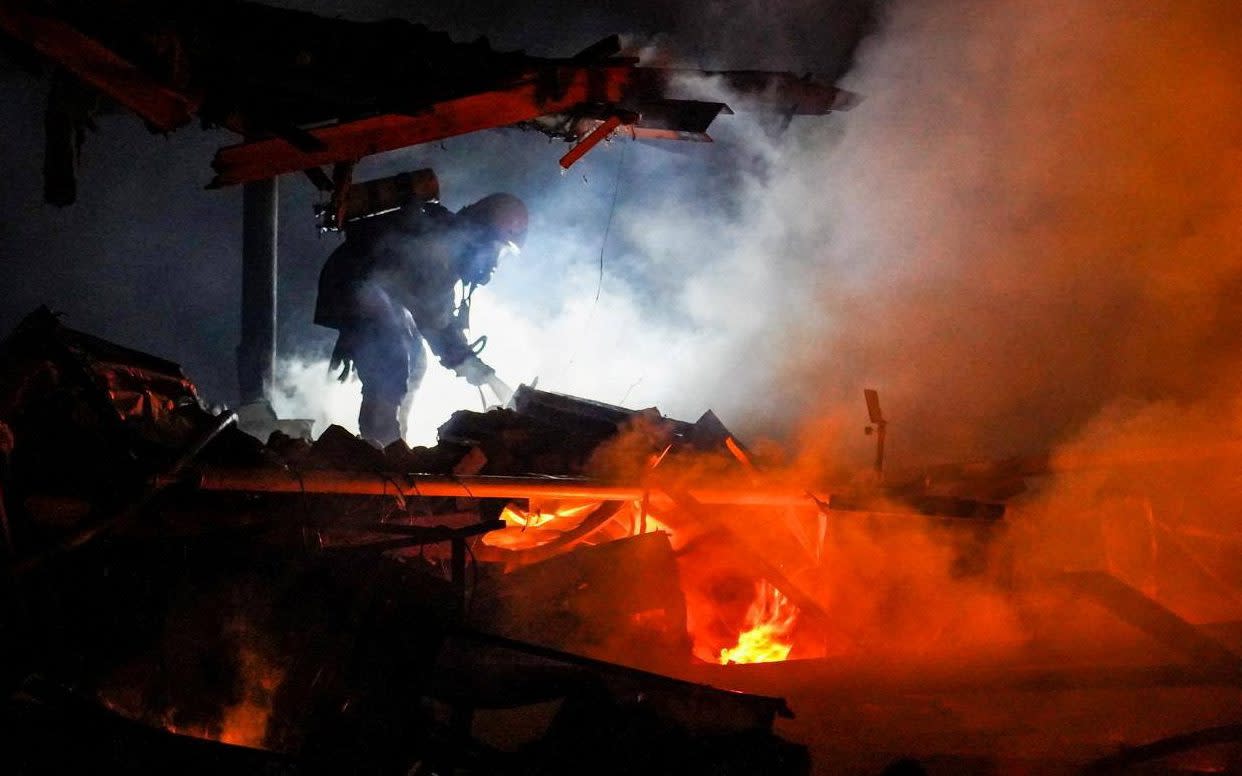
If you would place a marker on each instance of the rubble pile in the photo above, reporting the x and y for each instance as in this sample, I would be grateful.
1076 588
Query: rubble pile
337 606
559 586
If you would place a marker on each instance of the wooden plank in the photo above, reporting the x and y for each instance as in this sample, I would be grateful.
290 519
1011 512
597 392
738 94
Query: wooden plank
95 64
550 91
1157 621
592 139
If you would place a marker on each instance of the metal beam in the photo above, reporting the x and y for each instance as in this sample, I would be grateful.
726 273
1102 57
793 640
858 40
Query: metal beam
363 483
554 91
542 91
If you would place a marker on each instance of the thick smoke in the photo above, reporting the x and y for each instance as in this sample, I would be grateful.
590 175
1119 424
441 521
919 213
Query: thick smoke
1031 242
1025 237
1032 213
1031 217
1162 514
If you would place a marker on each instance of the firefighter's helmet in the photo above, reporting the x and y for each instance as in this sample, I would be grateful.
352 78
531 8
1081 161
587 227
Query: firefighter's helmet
504 213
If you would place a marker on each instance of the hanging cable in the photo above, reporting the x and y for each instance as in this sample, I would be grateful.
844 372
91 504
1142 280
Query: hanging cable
599 284
612 210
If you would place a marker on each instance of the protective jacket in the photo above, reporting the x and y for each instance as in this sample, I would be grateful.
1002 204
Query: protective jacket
407 260
387 288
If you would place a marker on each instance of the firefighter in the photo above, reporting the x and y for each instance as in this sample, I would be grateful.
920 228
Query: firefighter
392 285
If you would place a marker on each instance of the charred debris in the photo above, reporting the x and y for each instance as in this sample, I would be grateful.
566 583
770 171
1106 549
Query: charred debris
182 596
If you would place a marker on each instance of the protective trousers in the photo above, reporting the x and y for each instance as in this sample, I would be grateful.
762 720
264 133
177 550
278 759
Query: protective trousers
389 356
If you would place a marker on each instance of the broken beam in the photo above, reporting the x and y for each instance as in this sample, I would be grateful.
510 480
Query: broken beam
542 93
97 65
562 88
592 139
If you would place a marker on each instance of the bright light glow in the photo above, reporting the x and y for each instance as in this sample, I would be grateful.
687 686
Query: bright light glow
528 528
768 629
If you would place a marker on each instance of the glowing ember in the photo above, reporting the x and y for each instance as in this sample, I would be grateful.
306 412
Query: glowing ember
244 723
768 629
539 523
544 520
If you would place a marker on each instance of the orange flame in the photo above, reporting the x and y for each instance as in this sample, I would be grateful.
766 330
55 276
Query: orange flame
766 634
540 514
244 723
539 523
768 629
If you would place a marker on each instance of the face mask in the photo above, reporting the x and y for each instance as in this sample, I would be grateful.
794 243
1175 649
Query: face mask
482 259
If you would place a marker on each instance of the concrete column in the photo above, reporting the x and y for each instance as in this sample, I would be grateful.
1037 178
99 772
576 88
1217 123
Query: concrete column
256 354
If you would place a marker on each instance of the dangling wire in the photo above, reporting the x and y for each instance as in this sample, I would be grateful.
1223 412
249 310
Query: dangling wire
599 284
612 210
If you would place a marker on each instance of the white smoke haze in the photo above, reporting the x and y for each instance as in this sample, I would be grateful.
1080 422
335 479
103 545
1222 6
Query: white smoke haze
614 350
678 292
519 347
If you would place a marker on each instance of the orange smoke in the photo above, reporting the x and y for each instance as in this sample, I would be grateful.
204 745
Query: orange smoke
1032 212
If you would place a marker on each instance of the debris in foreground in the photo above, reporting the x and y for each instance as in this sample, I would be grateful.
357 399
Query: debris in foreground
169 587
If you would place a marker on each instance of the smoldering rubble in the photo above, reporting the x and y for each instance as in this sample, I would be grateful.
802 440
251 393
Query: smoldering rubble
566 585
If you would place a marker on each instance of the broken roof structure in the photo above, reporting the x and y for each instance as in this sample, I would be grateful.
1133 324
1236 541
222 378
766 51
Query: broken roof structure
307 91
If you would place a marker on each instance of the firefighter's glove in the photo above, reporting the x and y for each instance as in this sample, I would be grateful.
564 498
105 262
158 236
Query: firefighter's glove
341 360
474 370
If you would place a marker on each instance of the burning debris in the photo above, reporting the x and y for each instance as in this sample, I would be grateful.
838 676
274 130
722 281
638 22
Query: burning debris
555 587
323 600
767 629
